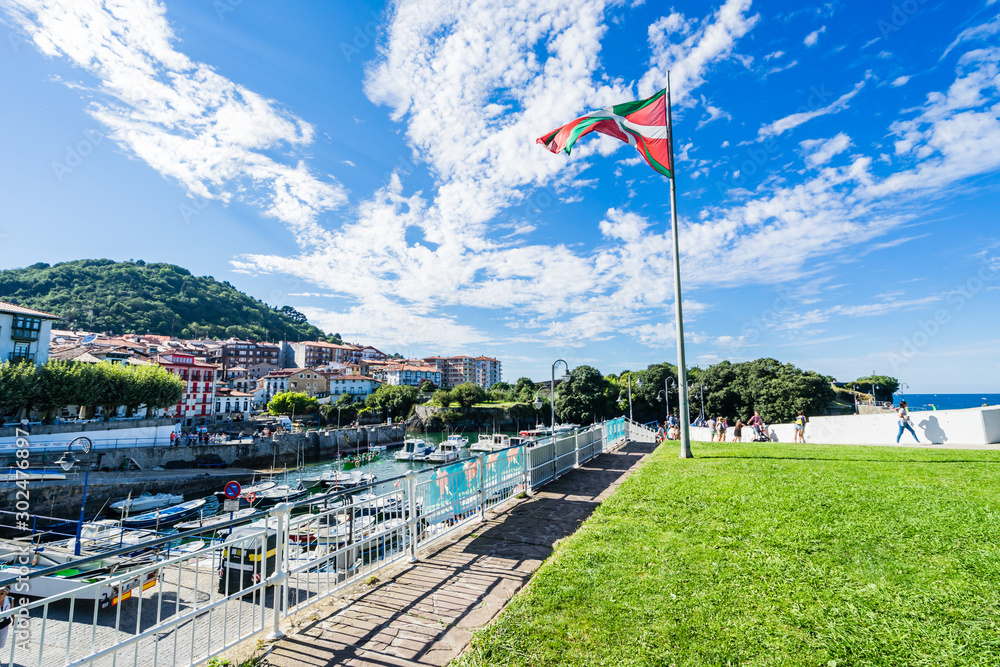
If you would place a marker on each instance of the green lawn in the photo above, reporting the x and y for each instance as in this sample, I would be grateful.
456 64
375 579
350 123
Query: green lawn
772 555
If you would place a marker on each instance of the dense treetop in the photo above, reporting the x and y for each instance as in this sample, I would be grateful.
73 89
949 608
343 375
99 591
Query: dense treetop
135 297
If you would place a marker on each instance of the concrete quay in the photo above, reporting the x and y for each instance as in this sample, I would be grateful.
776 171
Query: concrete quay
426 613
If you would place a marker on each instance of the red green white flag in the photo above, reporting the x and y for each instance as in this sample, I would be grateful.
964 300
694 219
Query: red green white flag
642 124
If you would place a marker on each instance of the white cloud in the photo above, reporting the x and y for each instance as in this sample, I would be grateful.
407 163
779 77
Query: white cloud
704 44
975 32
179 116
820 151
813 37
348 163
714 113
899 81
773 55
790 122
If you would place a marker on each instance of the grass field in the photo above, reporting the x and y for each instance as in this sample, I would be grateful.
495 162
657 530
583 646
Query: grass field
772 554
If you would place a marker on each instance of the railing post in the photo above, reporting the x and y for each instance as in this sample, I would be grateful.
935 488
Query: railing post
411 515
576 448
282 513
526 469
481 474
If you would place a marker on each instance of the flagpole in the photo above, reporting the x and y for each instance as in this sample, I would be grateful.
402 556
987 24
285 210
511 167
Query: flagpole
684 409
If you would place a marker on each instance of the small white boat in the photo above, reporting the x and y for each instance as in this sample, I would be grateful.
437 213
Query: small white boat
414 449
30 474
446 452
493 442
146 502
458 440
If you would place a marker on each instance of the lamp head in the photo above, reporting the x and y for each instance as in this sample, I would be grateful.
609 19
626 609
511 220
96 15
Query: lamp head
67 461
537 403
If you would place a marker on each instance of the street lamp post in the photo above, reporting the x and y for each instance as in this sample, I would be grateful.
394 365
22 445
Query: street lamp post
638 383
552 390
66 462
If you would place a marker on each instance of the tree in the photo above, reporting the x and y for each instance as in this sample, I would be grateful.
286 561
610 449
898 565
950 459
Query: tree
524 390
443 398
885 386
776 390
395 400
291 403
426 386
468 394
582 397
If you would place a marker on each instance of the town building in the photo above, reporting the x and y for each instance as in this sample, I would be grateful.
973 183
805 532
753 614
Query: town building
357 386
411 375
245 353
24 333
197 402
310 354
484 371
307 381
231 404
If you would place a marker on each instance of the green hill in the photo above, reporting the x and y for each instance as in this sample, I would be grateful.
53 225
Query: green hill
135 297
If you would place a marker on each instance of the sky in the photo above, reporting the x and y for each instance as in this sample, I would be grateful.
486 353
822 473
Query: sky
375 167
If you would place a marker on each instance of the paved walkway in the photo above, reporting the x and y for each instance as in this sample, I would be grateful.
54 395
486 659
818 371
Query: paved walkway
425 613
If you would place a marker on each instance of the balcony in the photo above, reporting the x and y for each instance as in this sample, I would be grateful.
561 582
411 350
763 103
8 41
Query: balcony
17 357
23 333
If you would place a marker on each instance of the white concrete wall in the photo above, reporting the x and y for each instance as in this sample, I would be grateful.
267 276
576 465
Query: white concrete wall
145 435
973 426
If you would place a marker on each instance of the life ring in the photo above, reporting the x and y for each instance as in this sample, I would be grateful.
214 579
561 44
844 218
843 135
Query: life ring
256 577
251 497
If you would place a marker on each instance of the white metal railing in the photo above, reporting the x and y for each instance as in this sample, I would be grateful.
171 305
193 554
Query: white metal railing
150 609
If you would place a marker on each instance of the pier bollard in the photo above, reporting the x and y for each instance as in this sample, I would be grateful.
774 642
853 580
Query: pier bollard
411 513
282 512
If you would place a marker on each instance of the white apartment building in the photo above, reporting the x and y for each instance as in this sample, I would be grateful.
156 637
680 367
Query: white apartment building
24 333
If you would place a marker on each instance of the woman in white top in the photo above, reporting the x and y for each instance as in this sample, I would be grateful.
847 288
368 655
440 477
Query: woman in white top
904 422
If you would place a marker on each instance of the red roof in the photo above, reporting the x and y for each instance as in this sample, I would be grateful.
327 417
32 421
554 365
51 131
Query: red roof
21 310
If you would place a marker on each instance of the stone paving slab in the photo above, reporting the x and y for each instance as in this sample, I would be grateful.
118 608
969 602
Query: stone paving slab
425 613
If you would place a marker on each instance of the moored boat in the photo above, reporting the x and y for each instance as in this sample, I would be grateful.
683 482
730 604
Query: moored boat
166 516
414 449
445 452
145 502
208 522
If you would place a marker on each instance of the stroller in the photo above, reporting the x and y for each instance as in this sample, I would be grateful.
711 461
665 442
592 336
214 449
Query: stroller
760 433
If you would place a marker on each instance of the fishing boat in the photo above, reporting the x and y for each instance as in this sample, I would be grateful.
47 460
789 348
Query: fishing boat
211 521
360 459
164 517
458 440
282 493
107 535
247 491
74 577
537 432
445 452
145 502
414 449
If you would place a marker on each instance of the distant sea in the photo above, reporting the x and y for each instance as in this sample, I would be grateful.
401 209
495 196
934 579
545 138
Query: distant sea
948 401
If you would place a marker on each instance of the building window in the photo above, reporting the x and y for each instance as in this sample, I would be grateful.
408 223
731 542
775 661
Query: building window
22 352
25 328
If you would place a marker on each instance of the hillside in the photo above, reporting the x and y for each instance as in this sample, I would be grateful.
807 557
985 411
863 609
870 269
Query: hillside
135 297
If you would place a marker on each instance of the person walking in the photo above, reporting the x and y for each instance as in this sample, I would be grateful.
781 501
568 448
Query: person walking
800 427
738 430
721 425
6 623
711 428
904 422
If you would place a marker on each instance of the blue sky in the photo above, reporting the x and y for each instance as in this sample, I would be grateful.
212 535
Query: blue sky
374 166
